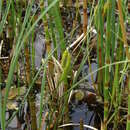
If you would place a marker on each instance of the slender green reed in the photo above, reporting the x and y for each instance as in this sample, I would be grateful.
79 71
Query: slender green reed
100 41
33 53
58 24
128 115
4 16
31 96
115 95
41 97
113 28
52 33
0 94
124 37
1 2
107 61
85 17
127 55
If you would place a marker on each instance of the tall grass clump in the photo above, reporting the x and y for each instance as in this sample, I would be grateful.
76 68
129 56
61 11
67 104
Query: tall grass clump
20 39
66 55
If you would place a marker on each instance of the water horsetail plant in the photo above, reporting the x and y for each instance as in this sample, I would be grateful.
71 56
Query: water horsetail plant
99 14
85 19
124 37
113 37
18 21
128 115
19 44
28 66
0 83
116 92
47 40
41 99
55 14
116 88
4 16
66 65
107 61
58 26
85 28
31 96
75 21
1 9
2 23
52 32
88 49
50 70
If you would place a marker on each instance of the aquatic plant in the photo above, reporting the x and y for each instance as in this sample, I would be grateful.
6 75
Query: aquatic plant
71 42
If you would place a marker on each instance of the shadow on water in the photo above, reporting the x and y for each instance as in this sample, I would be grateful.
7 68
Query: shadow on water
82 112
91 115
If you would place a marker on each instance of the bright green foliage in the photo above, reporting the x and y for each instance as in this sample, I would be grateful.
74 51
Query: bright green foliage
66 65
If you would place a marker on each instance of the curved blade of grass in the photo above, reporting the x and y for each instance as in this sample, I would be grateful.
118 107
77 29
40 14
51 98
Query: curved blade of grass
103 67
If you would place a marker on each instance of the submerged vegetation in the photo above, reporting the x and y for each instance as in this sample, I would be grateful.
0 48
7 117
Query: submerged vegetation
47 52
